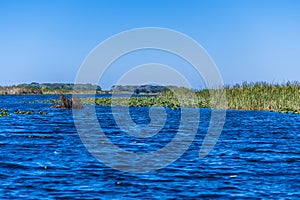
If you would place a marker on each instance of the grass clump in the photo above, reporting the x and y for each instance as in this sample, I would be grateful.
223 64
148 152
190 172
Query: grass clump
22 112
4 113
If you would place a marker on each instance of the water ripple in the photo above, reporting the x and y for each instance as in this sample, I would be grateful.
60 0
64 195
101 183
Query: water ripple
42 157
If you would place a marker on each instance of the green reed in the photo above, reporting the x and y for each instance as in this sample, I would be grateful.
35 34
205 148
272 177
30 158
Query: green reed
265 96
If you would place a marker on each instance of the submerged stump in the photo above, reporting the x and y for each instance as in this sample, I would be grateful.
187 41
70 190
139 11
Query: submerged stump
69 103
76 103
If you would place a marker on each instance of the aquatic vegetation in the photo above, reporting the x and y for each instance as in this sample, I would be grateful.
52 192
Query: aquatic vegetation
22 112
246 96
133 101
29 112
55 101
4 113
50 101
42 112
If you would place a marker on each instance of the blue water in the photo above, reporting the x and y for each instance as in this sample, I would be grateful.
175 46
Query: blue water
42 157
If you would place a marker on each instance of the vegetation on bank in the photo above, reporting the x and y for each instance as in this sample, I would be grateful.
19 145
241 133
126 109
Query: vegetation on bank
138 89
49 88
69 88
265 96
246 96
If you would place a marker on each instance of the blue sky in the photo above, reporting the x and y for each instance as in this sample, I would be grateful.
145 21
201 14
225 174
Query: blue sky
46 41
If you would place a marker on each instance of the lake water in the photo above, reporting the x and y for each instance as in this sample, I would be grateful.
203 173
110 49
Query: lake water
42 157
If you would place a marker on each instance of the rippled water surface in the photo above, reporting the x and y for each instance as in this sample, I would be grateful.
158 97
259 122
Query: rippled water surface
42 157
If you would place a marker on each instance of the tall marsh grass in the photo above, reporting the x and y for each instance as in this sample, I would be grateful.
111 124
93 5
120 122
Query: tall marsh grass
264 96
246 96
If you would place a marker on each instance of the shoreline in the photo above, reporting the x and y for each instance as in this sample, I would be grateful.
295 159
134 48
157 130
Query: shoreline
283 98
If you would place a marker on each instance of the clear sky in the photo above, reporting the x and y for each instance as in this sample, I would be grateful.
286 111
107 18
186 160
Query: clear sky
249 40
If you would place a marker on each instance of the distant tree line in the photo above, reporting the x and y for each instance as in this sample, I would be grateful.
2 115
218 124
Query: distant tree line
141 89
60 86
55 88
